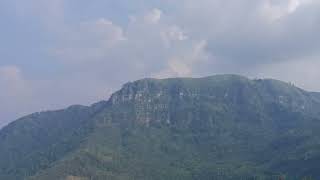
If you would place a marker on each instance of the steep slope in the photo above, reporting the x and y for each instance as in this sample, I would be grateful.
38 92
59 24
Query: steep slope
219 127
33 142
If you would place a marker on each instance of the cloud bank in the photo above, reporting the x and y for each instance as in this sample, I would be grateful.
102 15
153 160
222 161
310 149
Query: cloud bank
57 53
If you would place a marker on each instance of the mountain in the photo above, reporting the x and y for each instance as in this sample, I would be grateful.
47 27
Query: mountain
218 127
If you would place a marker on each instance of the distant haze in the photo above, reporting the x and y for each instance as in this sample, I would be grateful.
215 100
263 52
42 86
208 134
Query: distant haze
54 53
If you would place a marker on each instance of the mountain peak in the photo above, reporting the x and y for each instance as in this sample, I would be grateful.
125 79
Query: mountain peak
160 96
215 84
216 127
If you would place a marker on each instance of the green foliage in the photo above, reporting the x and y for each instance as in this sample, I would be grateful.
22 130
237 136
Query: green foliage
214 128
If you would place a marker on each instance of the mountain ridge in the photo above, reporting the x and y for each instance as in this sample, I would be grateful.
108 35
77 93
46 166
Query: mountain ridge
222 127
316 94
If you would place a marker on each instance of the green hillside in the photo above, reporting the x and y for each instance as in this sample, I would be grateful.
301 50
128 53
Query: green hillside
224 127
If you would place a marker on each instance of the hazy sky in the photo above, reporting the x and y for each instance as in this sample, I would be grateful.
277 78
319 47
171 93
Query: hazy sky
54 53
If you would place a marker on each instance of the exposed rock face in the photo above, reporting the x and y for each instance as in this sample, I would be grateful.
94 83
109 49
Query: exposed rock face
154 100
149 100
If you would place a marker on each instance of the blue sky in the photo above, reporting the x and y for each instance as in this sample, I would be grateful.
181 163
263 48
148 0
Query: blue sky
55 53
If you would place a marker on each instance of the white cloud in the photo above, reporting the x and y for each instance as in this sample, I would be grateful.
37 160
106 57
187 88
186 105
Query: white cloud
184 42
173 33
293 5
183 64
153 16
274 10
90 41
144 47
107 28
96 53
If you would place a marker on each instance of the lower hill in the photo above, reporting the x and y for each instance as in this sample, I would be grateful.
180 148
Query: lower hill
224 127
